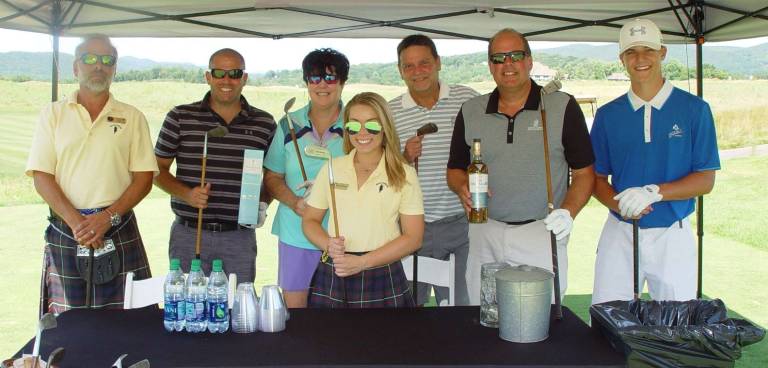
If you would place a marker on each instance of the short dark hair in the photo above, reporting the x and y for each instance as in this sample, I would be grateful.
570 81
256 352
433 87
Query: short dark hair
416 40
526 46
316 62
226 51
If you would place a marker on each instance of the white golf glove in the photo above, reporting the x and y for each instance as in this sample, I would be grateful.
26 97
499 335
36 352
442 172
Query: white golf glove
307 184
632 201
262 214
559 222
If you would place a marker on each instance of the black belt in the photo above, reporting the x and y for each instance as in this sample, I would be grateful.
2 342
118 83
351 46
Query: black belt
216 227
518 222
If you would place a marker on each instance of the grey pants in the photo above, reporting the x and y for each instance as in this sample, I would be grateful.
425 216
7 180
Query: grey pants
236 248
441 238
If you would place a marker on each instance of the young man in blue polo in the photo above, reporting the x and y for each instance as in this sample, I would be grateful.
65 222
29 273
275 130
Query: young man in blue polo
655 151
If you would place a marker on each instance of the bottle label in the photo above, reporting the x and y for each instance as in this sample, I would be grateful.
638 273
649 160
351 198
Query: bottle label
170 310
478 189
181 309
199 311
217 312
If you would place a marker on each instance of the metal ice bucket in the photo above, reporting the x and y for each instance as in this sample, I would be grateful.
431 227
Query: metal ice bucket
524 294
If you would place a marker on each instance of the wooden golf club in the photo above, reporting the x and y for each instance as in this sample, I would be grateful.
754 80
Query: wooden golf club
635 258
549 88
218 131
425 129
288 105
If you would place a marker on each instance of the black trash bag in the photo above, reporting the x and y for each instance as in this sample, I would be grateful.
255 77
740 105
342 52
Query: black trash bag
695 333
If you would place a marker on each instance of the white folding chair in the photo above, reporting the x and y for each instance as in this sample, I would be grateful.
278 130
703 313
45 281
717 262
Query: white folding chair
141 293
435 272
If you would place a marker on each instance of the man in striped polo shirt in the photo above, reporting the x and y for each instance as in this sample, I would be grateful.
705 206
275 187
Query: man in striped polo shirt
430 101
181 138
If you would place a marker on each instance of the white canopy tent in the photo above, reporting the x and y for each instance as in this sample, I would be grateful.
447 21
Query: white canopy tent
681 21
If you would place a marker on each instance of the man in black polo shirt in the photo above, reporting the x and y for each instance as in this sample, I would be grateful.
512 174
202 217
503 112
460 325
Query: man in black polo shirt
181 138
508 123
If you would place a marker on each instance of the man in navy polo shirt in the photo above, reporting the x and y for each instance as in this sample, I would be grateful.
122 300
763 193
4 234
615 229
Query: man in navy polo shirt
657 144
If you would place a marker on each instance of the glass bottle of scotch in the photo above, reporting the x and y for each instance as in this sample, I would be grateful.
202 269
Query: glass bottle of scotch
478 185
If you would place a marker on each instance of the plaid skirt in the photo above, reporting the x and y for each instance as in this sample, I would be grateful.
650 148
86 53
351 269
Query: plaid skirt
379 287
63 289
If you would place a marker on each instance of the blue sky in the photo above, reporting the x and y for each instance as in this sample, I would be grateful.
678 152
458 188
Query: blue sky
262 54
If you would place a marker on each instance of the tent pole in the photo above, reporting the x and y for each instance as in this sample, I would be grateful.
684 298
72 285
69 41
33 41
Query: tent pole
55 32
699 19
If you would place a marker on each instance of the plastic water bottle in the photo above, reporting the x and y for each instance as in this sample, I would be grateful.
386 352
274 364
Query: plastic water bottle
195 291
173 290
218 308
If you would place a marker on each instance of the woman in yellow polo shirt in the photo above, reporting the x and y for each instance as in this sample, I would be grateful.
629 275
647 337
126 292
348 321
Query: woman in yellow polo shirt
380 214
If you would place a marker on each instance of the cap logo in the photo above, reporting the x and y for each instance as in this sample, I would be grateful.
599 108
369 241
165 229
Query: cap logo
638 29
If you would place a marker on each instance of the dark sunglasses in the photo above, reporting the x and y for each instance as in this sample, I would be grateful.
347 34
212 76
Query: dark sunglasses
515 56
372 126
328 78
91 59
232 73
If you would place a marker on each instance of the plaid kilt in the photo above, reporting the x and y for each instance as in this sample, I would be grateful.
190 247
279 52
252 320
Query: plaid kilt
379 287
63 289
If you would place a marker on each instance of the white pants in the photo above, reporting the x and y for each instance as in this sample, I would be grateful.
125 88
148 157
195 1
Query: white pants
527 244
668 261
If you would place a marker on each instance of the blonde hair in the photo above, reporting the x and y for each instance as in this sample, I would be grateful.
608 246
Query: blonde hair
393 159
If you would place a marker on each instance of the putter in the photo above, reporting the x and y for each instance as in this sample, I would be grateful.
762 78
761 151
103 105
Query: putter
286 108
47 322
425 129
216 132
55 358
551 87
636 258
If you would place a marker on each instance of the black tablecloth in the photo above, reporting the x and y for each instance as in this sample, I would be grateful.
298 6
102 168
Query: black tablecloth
449 336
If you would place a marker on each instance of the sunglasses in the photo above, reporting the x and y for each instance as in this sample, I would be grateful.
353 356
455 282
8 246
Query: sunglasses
372 126
328 78
91 59
232 73
515 56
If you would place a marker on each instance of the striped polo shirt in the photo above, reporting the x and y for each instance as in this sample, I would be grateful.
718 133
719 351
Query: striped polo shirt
181 138
439 201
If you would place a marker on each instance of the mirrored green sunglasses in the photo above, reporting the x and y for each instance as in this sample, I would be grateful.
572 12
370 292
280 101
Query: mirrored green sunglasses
106 60
372 126
515 56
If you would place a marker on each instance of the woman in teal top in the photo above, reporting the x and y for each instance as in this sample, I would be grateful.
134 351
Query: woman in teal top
317 123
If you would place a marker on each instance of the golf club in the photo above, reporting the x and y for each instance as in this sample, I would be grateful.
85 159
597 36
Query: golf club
216 132
119 362
286 108
425 129
635 258
47 322
141 364
89 279
55 358
551 87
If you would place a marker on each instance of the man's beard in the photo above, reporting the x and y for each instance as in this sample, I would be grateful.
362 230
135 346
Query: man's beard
94 84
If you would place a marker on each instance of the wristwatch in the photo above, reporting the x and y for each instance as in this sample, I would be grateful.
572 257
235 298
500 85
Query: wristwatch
114 218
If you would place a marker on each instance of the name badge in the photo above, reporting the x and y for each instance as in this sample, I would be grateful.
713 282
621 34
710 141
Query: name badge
341 186
114 119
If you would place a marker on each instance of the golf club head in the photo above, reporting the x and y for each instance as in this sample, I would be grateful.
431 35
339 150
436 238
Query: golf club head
55 357
142 364
427 128
218 131
288 105
317 151
553 86
47 321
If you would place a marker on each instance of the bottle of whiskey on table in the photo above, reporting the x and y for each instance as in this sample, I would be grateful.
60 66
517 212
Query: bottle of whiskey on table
478 185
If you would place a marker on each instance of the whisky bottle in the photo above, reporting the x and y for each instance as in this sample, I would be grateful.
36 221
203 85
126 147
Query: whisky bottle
478 185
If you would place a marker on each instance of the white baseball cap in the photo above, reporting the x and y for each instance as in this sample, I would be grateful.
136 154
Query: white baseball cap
639 32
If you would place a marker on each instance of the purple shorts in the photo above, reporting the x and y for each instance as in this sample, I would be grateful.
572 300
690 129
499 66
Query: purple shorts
297 265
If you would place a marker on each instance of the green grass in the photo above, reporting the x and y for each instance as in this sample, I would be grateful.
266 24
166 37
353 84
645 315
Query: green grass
735 250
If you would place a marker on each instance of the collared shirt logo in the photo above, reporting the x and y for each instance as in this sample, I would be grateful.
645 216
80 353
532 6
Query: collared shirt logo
116 123
535 125
638 30
676 132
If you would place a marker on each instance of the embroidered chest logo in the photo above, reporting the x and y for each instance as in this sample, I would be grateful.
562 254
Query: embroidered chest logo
381 185
535 125
676 132
116 123
636 30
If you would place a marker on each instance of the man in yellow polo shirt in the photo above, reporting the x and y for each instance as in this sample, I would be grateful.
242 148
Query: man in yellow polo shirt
92 162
